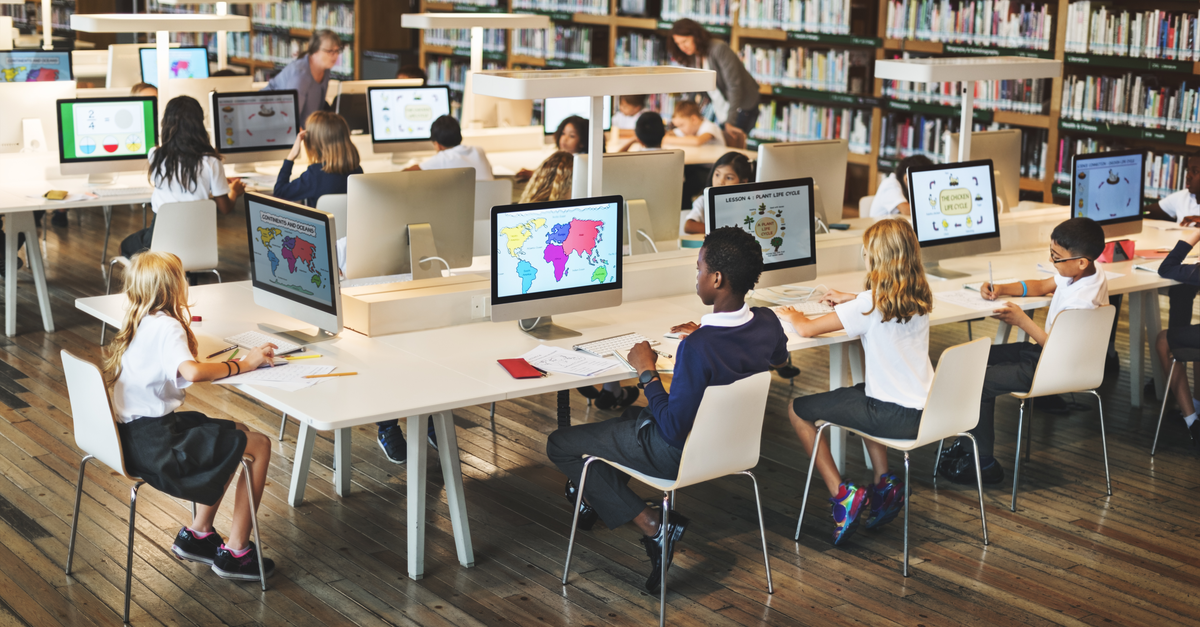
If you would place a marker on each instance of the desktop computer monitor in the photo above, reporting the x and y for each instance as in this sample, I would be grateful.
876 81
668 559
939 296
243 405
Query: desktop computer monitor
252 126
103 135
185 63
1004 149
766 210
1107 187
398 219
954 212
555 110
30 66
351 101
555 257
125 66
201 89
824 161
27 114
293 267
400 117
651 184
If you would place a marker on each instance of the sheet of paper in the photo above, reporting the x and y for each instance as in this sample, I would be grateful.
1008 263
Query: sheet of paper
563 361
969 299
978 284
289 376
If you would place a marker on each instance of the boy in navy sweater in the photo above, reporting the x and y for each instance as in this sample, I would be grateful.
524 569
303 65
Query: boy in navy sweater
1182 336
729 344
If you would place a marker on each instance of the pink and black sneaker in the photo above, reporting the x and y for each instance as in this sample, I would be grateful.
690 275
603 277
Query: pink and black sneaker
189 545
242 567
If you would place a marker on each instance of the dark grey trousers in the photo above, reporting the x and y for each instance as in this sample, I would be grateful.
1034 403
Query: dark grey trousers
1010 369
632 441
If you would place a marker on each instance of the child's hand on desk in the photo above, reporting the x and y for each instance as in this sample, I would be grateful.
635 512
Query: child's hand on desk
1011 313
259 356
1193 221
988 291
790 314
685 329
834 297
642 357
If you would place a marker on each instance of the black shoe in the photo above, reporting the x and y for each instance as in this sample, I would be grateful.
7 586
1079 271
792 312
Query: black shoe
188 547
654 549
955 452
1149 392
432 436
1112 365
1055 404
244 568
1194 431
589 392
962 471
788 372
608 400
587 515
391 440
59 218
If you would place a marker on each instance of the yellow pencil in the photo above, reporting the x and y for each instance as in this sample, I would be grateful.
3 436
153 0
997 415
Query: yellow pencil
294 357
332 374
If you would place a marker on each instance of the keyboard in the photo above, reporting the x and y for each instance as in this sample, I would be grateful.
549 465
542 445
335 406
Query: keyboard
617 344
112 192
808 308
254 339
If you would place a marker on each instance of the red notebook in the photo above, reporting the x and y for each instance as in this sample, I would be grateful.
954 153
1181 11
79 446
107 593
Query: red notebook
520 369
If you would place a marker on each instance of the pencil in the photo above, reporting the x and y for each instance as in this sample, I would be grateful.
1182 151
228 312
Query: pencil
294 357
332 374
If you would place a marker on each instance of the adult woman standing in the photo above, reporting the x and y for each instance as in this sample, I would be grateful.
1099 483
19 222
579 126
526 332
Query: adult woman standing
735 99
309 75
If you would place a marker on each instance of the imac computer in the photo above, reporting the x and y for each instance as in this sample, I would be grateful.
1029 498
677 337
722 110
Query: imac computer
1107 187
766 211
555 110
201 89
185 63
409 222
651 184
252 126
27 118
1004 149
824 161
125 65
553 258
105 135
954 212
351 101
400 117
293 269
30 66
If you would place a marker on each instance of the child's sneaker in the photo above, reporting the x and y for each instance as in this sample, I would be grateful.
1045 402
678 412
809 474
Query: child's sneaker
244 567
846 506
391 440
188 546
886 500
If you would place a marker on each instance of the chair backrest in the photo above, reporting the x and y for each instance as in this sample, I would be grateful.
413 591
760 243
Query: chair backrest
488 194
189 231
335 204
1073 358
953 402
92 413
728 430
864 206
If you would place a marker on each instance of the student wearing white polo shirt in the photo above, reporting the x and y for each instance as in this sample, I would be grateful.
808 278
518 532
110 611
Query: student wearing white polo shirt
452 153
891 198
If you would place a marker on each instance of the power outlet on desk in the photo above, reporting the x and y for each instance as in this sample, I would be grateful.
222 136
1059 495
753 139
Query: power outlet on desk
480 307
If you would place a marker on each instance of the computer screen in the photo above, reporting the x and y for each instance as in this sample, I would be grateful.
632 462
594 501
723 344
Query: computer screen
404 114
1107 186
253 121
766 210
106 129
555 110
30 66
953 202
185 63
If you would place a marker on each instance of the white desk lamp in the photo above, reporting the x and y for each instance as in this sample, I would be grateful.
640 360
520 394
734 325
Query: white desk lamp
222 9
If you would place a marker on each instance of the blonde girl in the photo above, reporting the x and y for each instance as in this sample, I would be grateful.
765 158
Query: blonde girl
183 453
331 156
552 180
892 319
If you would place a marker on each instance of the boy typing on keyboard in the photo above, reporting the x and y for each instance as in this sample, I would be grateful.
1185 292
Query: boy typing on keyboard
729 344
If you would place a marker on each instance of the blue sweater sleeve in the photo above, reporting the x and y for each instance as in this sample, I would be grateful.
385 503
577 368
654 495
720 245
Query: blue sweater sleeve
675 413
1173 268
297 190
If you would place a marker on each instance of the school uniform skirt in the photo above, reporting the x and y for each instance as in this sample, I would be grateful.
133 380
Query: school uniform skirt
184 454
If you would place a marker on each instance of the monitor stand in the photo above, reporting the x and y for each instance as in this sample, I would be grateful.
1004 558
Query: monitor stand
637 217
543 328
934 270
422 248
296 336
97 180
245 168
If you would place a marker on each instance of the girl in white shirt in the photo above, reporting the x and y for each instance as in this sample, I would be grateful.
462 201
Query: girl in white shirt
733 168
892 320
185 167
183 453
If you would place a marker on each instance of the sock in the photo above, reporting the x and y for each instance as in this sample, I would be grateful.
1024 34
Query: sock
1190 419
200 535
237 553
843 491
986 461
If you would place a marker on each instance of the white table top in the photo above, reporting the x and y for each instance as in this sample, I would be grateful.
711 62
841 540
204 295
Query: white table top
936 70
152 23
537 84
472 20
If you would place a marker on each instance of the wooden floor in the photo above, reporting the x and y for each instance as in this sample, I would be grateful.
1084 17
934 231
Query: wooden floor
1069 556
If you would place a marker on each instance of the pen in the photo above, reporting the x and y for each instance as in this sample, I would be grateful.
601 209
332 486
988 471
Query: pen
223 350
235 352
295 357
990 279
332 374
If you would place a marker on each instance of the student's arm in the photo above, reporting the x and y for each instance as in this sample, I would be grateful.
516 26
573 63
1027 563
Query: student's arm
693 227
196 372
904 208
225 201
811 327
412 168
627 145
1011 313
1155 212
1037 287
1172 267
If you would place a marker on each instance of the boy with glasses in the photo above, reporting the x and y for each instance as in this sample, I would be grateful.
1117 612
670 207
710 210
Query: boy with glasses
1076 284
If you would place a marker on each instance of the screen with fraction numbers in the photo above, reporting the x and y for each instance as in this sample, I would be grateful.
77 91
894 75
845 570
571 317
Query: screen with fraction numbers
104 129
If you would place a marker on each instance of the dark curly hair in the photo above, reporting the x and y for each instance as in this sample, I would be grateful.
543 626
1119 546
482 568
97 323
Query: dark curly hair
184 145
736 255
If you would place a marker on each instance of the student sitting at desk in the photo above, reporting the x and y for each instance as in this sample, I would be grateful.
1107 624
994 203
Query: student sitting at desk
571 137
552 179
629 108
184 167
1182 336
892 320
143 89
733 168
1077 284
452 153
729 344
648 133
892 196
331 155
1181 207
691 129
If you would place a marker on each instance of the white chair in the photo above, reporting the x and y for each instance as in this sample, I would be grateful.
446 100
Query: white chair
724 440
335 204
96 434
1071 361
951 408
864 206
1178 356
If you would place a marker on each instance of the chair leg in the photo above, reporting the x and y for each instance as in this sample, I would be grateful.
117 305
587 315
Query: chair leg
143 215
812 462
1017 461
193 510
1166 394
129 557
1029 432
937 461
262 575
282 426
75 518
1104 442
662 585
672 500
575 517
907 494
493 417
107 231
762 530
979 483
214 271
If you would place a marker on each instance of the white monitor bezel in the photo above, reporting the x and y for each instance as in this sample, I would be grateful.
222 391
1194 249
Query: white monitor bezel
142 61
401 145
250 154
965 245
1125 225
101 165
779 273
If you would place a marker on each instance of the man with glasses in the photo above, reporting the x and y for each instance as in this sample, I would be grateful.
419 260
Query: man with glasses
1077 284
309 75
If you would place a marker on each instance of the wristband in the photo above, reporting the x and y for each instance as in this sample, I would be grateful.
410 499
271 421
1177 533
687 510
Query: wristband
228 372
239 366
1024 289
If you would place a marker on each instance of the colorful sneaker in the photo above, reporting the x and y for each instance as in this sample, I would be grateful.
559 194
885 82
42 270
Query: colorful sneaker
189 547
391 440
886 500
244 568
846 506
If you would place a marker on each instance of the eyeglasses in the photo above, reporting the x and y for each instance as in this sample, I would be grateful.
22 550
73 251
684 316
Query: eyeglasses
1055 259
333 51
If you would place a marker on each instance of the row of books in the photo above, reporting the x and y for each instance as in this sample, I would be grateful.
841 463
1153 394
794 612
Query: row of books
476 3
570 43
494 39
1030 96
281 49
452 71
906 134
289 14
155 7
637 49
810 16
714 12
801 121
198 40
1101 29
1132 100
827 70
1166 173
592 7
337 17
1004 23
1034 147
